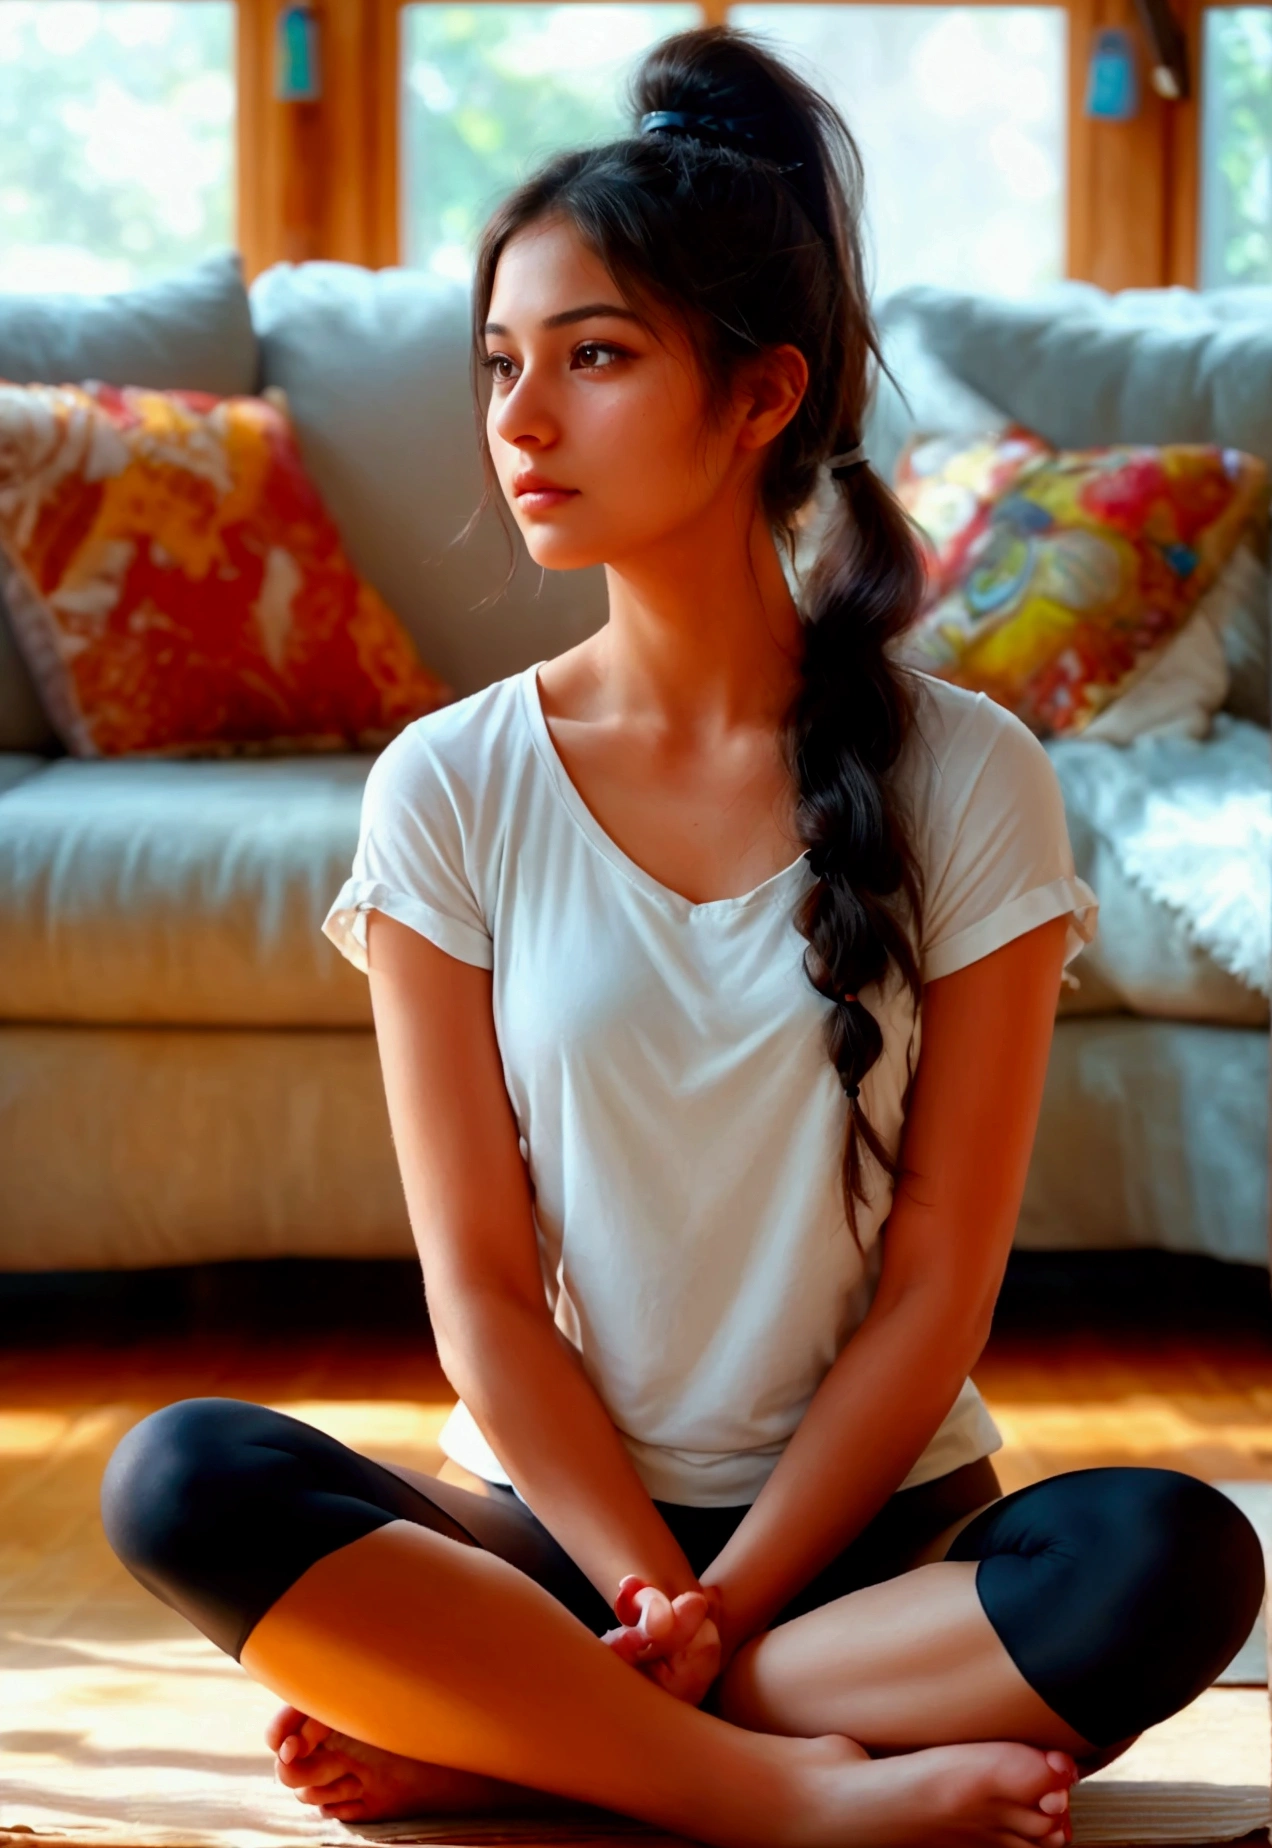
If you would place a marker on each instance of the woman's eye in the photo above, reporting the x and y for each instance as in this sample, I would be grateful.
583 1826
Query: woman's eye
586 355
494 362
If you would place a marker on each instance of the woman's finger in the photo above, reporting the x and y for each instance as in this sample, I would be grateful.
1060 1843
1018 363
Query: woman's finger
657 1619
628 1644
626 1607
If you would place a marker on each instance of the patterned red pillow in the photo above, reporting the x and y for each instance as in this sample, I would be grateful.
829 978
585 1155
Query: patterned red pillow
178 586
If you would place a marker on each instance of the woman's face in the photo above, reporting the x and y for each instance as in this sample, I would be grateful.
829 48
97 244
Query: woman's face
597 419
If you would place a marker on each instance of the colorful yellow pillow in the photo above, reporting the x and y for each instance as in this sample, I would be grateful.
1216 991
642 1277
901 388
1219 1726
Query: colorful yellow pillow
1056 577
178 586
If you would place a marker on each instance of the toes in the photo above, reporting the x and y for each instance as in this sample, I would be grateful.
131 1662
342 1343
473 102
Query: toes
340 1790
315 1768
1026 1778
286 1720
303 1740
1033 1827
343 1812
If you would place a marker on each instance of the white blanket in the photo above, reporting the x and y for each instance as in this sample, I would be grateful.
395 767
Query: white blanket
1190 821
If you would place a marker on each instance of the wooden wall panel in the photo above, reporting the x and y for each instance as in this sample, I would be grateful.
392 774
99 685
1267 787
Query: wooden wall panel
312 177
385 76
1120 198
1183 161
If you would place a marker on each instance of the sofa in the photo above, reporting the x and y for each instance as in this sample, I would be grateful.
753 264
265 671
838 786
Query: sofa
188 1071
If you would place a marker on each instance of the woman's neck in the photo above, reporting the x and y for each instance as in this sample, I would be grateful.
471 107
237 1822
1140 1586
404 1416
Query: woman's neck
703 630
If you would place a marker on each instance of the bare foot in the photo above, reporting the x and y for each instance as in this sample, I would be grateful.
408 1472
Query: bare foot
353 1782
996 1795
993 1795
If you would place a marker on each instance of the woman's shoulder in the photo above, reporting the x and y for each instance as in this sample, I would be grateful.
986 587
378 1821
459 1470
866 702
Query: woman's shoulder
949 714
463 749
964 742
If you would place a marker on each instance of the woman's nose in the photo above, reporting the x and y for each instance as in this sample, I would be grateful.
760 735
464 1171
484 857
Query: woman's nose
524 414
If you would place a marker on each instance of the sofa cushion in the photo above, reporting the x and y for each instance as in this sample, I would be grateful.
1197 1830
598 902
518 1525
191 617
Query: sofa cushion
1152 1132
375 367
178 587
1090 376
1172 834
140 891
124 1148
16 766
192 330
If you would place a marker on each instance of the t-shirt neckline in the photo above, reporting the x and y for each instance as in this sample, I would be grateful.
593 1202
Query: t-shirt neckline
604 844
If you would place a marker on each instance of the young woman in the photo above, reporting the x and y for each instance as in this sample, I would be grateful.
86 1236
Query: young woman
653 932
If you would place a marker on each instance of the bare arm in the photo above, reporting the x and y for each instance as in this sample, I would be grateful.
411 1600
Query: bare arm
969 1134
469 1202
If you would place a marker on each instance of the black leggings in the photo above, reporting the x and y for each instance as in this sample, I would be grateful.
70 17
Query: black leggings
1118 1593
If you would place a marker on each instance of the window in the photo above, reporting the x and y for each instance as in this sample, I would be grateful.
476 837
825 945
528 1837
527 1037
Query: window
490 90
1236 147
960 116
116 140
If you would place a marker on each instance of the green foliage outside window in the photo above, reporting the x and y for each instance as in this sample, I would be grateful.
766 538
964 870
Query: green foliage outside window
490 90
116 139
1237 147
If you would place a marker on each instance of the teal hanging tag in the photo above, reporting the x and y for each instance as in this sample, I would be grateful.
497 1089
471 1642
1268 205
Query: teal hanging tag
1112 83
297 75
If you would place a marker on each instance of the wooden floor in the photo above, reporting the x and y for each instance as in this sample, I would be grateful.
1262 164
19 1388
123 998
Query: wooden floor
1100 1359
1091 1362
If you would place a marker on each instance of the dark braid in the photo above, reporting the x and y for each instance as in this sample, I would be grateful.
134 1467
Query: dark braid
739 210
846 729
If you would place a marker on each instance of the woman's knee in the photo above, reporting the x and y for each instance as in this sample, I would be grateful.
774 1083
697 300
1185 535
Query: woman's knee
218 1506
1119 1593
1190 1570
1211 1570
166 1484
177 1508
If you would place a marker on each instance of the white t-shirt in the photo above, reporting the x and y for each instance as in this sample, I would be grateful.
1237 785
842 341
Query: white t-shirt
680 1118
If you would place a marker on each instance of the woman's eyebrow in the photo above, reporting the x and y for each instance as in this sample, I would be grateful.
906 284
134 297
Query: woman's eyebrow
573 314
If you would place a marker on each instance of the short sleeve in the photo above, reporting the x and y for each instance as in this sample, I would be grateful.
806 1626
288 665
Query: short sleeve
412 862
997 856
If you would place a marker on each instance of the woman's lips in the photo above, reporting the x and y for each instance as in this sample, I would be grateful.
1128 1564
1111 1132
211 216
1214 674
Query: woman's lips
541 496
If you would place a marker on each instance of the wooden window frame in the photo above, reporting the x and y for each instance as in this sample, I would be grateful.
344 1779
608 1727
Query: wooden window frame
321 179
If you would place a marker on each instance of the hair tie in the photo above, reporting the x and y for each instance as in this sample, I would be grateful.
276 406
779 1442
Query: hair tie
851 1090
847 460
823 859
736 127
740 133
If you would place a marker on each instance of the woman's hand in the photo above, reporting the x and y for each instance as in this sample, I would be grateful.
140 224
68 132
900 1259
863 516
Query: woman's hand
674 1642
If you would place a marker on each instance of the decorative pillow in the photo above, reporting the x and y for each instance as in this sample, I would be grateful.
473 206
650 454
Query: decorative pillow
1188 680
1057 577
178 587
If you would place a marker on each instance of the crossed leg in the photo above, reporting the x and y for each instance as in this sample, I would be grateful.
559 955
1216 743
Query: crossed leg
432 1651
418 1643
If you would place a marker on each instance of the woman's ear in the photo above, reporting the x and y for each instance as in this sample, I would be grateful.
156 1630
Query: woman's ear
771 389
